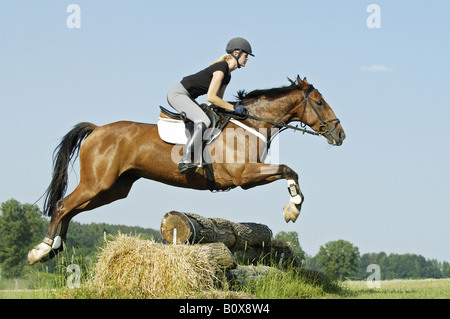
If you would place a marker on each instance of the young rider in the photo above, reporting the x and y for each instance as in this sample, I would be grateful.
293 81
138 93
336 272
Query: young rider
211 81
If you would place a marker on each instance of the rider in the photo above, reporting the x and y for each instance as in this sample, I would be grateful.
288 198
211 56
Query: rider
211 81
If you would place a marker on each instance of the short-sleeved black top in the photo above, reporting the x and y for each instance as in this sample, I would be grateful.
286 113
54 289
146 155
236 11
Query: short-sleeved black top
197 84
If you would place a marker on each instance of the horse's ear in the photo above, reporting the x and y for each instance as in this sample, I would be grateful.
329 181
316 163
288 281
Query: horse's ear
305 81
300 82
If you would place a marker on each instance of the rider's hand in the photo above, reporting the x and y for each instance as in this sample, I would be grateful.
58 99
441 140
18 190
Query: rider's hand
240 110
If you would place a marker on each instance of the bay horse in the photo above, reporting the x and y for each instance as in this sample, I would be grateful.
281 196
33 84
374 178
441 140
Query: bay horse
114 156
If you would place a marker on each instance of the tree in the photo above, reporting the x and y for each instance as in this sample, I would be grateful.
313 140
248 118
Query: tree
292 238
445 269
339 259
21 226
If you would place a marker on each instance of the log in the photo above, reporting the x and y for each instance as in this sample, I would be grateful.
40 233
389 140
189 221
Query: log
193 229
278 254
220 254
250 243
242 274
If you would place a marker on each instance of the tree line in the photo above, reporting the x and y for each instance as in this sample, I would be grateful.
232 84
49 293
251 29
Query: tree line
23 225
340 259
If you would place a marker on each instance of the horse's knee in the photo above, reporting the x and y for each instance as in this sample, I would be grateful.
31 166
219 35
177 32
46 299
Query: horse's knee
290 173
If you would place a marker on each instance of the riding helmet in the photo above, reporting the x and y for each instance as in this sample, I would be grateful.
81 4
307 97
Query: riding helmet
239 44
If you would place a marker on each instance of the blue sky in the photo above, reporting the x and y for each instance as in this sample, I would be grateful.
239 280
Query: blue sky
385 189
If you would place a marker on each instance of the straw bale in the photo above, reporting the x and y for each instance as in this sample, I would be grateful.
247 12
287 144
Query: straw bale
155 270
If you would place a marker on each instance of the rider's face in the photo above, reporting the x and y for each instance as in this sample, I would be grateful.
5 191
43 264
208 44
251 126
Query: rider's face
243 59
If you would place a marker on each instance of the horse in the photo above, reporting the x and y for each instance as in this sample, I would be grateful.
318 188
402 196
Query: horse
114 156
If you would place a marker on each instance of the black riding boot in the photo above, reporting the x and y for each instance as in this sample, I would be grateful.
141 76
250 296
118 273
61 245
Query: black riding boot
192 153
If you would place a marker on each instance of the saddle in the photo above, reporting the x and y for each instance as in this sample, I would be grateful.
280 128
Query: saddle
172 126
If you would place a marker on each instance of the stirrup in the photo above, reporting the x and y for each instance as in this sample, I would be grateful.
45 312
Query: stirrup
183 168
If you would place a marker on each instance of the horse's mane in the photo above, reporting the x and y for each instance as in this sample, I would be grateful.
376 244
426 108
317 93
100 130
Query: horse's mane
242 95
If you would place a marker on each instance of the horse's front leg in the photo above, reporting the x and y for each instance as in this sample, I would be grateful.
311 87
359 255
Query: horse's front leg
260 174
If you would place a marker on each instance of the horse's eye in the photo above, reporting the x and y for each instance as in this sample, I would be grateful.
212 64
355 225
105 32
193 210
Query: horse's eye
319 102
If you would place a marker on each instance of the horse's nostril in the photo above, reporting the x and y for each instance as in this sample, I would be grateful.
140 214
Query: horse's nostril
342 135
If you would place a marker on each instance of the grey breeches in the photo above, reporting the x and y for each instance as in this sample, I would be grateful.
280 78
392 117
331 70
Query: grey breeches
178 98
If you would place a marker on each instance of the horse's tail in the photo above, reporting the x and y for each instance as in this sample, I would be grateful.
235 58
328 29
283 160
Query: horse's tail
63 154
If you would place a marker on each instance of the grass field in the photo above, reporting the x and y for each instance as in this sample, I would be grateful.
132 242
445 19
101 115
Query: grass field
288 287
400 289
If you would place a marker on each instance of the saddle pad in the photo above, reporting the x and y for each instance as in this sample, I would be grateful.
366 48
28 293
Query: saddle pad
172 131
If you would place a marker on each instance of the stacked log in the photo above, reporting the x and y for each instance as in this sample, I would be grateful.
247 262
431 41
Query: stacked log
249 243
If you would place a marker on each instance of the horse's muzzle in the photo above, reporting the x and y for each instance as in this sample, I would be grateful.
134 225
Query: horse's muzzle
336 137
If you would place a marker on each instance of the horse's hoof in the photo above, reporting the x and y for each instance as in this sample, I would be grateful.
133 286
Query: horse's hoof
291 213
40 253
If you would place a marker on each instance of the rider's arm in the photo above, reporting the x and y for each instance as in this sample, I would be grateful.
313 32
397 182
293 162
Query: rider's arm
222 91
213 95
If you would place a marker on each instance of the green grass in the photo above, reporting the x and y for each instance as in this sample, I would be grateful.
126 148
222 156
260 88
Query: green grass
290 284
286 286
400 289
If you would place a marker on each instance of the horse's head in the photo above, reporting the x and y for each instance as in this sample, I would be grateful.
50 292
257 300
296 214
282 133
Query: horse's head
317 114
298 102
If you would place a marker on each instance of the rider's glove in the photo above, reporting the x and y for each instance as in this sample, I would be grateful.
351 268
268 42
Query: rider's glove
240 110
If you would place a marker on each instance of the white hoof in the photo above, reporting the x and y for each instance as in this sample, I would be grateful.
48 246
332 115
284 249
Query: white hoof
290 212
40 252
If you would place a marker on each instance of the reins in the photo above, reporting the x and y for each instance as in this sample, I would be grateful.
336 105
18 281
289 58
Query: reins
283 125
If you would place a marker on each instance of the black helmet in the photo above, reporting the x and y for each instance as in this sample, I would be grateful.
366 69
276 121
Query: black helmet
239 44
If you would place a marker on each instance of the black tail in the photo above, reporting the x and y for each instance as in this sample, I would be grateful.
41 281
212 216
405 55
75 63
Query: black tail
63 154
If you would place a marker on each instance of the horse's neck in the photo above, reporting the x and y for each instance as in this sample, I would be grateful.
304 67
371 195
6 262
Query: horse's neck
276 110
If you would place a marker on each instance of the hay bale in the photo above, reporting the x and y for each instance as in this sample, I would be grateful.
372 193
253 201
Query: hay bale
155 270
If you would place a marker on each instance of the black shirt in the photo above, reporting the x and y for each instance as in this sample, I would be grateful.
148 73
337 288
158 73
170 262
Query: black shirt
197 84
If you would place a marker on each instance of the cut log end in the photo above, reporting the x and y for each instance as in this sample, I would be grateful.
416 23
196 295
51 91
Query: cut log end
176 220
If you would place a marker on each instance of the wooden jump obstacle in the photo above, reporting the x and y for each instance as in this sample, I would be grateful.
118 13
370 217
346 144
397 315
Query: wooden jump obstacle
249 243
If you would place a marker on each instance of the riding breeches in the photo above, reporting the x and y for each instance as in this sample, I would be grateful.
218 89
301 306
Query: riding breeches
179 98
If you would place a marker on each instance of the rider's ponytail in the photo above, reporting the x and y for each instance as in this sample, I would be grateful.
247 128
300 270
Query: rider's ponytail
225 57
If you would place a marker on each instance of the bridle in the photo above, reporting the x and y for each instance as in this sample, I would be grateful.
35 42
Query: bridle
323 127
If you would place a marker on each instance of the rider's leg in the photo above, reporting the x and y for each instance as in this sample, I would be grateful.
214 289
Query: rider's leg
178 97
192 153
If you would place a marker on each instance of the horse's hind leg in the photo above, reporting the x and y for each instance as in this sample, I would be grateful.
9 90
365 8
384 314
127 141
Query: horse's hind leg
52 242
118 190
84 197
